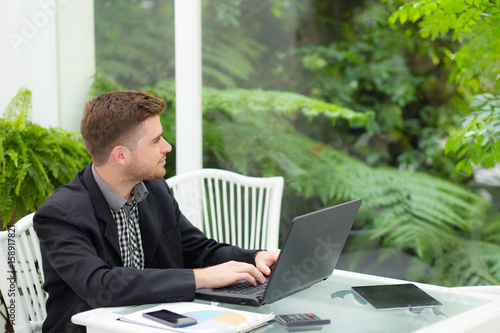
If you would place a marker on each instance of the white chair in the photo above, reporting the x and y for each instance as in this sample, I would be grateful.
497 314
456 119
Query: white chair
231 208
21 276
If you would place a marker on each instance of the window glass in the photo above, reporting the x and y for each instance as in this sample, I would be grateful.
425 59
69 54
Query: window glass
265 63
338 101
135 41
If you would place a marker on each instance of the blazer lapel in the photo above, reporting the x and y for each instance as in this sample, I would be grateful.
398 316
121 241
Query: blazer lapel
102 210
150 230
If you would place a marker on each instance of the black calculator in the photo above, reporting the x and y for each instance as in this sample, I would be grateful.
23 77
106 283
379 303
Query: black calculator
300 319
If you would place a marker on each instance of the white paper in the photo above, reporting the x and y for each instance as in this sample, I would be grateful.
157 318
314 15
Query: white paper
210 318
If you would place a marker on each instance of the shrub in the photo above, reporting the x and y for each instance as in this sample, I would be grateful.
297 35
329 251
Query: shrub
34 161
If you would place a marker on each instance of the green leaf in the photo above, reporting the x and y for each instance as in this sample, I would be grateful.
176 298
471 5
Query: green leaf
489 161
30 167
474 155
14 156
468 167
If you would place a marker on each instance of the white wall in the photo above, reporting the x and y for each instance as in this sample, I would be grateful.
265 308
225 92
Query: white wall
47 46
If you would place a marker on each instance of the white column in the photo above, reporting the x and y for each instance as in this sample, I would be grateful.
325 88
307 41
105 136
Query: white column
188 148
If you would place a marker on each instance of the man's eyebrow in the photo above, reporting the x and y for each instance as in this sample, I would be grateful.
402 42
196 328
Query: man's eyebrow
158 137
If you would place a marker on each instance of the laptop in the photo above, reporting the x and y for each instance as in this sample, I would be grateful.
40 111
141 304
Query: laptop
309 254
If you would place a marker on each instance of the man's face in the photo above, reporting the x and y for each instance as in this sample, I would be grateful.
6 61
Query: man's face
149 154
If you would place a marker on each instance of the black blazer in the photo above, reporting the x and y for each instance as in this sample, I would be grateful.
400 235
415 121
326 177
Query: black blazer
81 256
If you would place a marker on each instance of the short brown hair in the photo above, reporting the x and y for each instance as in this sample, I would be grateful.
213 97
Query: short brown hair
111 119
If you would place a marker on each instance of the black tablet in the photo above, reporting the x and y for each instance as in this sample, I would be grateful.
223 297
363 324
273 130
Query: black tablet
396 296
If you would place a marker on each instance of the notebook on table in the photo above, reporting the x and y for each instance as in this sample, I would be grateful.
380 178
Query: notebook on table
309 254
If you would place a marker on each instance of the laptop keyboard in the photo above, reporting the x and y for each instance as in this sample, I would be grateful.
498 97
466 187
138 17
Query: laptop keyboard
244 288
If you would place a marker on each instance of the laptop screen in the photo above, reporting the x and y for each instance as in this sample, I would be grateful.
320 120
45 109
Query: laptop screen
311 249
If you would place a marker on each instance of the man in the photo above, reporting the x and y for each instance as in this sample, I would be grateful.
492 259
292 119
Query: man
114 235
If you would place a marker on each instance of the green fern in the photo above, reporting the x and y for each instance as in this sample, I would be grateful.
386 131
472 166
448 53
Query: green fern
239 101
34 161
427 217
439 224
103 83
144 53
227 59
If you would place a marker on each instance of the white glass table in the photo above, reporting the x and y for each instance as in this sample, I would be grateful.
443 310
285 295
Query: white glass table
462 310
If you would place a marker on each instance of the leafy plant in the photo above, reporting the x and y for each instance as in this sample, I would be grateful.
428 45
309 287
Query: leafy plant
432 219
477 142
474 26
240 100
354 61
145 53
440 224
373 67
34 161
135 40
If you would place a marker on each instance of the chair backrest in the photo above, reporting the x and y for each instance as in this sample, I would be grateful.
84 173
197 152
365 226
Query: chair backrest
230 207
21 276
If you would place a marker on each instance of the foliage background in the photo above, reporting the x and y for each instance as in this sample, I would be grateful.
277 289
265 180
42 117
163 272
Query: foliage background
396 102
345 100
34 161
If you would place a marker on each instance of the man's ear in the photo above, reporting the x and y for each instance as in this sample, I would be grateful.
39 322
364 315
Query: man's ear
120 154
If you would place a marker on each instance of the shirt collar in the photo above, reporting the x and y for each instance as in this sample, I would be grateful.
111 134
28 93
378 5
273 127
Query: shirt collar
116 201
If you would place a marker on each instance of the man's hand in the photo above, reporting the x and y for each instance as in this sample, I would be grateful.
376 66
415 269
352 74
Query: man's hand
264 260
224 274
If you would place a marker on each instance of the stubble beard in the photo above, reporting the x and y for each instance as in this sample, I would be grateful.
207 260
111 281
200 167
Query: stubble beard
138 171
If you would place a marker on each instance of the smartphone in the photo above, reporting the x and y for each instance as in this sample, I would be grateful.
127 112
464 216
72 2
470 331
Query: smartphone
170 318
